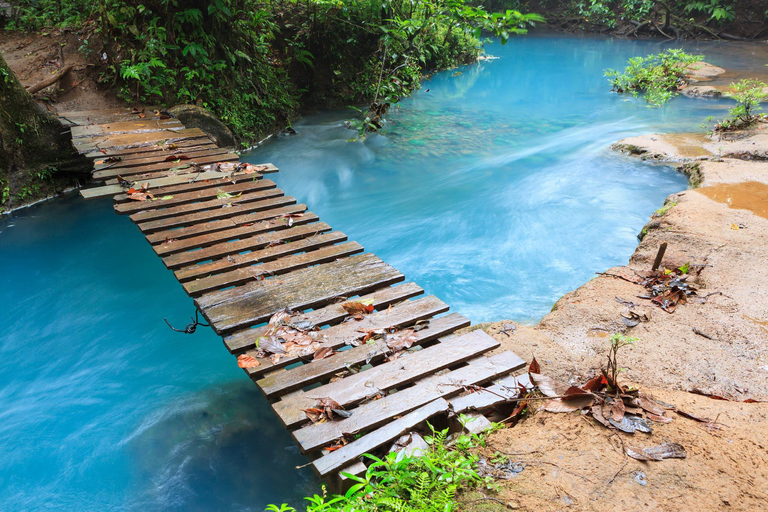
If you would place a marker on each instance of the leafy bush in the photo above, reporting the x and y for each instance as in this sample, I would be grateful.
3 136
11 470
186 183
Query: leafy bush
425 483
659 76
748 94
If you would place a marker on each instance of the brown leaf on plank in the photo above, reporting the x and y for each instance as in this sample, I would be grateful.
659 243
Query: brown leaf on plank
548 385
174 158
246 361
314 414
271 345
355 308
656 453
402 340
322 353
282 317
535 367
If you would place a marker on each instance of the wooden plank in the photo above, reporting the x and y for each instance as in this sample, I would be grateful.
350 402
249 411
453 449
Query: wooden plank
178 260
355 388
145 150
223 224
195 171
122 127
193 196
181 210
193 186
479 400
259 256
309 288
372 414
199 180
131 172
404 314
217 213
155 157
349 453
135 140
373 352
174 245
348 333
331 314
274 267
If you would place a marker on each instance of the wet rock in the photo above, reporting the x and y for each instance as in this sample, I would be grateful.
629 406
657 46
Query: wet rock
194 116
702 91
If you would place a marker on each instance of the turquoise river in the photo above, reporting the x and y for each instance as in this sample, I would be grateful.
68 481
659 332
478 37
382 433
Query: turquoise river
493 187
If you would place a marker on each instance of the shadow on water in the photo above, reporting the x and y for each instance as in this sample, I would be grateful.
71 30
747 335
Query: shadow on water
220 449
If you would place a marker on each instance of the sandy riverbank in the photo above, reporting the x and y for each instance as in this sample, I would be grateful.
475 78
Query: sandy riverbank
717 343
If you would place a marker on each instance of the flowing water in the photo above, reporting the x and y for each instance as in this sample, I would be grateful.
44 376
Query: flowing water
494 190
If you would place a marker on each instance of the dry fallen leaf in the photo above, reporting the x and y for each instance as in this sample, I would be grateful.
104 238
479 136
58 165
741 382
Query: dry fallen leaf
323 352
549 386
535 367
660 452
246 361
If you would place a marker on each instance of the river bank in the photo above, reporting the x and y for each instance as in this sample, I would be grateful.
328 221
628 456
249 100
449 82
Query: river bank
707 357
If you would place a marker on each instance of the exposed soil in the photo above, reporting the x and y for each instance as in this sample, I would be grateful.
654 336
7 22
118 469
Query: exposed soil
570 462
35 57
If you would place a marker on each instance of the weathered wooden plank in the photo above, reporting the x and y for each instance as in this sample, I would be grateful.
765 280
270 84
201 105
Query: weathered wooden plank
193 186
372 414
193 181
274 267
174 245
223 224
122 127
193 196
438 327
223 203
155 157
355 388
216 213
331 314
146 150
349 453
506 387
135 140
193 171
130 172
348 333
303 289
178 260
259 256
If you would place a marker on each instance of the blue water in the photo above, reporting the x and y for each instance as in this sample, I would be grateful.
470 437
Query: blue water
494 190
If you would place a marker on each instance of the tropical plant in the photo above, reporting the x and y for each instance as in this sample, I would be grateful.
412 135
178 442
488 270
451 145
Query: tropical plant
427 482
658 76
748 94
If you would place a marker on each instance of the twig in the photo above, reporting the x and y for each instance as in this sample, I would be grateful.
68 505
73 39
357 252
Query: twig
617 276
703 335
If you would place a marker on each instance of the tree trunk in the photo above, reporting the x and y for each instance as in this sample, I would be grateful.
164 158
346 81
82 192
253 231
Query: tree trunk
31 139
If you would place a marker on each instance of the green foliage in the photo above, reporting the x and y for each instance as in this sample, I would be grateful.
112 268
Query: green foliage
719 10
253 62
748 94
657 76
424 483
664 209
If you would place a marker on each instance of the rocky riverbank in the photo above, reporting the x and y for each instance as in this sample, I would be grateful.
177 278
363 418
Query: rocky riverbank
715 344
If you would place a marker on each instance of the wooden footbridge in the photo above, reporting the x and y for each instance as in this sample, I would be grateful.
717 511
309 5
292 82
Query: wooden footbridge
272 279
